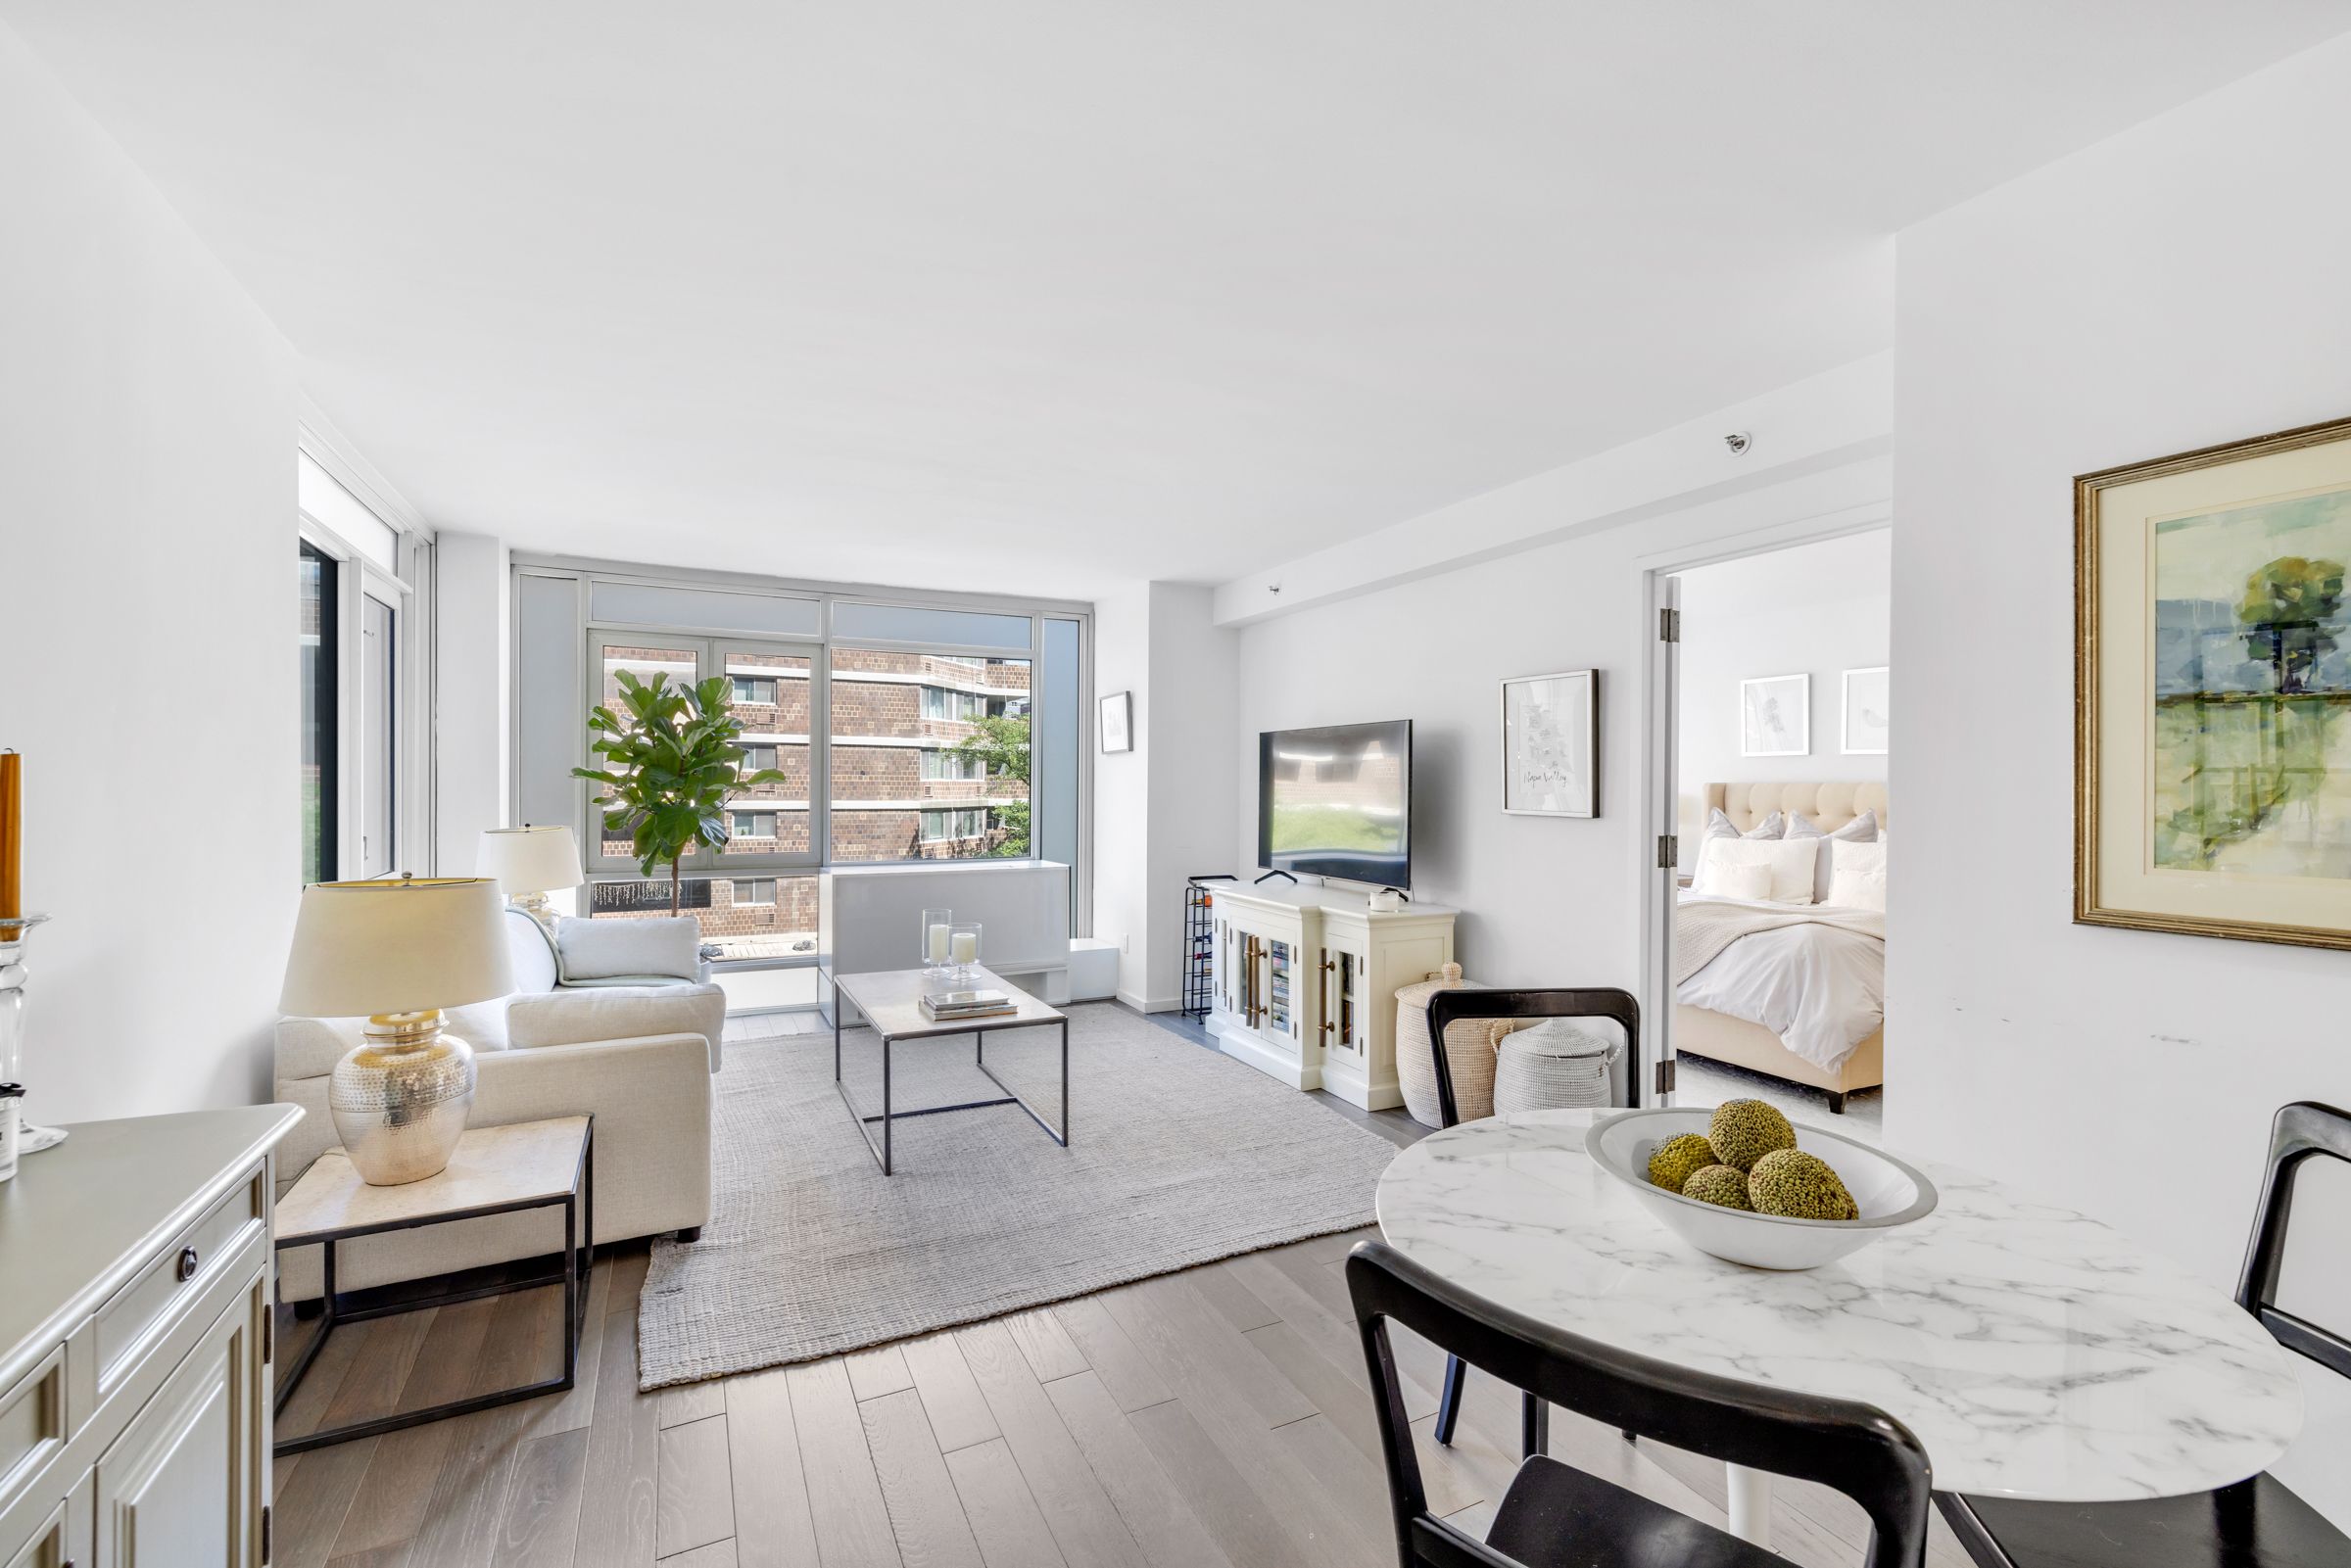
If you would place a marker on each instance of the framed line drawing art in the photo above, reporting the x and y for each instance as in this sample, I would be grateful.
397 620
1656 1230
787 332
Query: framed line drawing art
1551 745
1868 702
1775 716
1117 721
2212 686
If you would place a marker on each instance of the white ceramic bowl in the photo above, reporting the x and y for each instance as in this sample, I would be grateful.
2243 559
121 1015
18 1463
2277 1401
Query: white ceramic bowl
1888 1193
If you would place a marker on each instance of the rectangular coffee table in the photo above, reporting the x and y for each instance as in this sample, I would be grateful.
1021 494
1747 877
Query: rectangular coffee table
892 1002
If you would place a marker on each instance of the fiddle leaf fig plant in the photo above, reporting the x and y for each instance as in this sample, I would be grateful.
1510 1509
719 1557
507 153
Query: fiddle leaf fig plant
671 762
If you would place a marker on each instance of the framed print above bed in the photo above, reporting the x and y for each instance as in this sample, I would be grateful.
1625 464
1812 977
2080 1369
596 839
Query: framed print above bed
1775 716
1551 745
2212 686
1868 706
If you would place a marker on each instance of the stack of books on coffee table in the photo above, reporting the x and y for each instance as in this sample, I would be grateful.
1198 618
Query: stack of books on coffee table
941 1007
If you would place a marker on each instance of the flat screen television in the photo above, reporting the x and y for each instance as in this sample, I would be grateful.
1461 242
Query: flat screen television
1337 802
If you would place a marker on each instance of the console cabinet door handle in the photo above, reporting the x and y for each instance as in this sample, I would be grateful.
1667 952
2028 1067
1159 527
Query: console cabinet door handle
187 1265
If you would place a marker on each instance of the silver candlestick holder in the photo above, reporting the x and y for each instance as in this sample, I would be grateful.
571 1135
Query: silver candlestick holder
14 930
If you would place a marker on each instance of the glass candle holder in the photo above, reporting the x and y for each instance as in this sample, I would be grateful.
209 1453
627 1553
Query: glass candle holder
963 949
934 939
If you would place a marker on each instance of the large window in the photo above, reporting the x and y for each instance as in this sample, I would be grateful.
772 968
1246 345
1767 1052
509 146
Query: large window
914 729
318 731
903 733
361 737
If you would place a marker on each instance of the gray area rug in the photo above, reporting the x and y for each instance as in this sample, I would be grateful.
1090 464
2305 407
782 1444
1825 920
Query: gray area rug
1178 1156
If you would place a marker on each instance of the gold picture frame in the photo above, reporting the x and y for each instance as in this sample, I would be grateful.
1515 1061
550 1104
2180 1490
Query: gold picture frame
2212 691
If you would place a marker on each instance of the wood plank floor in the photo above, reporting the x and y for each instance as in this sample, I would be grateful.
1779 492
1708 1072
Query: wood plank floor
1214 1418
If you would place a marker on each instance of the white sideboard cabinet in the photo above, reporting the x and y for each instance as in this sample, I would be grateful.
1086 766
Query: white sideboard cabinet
135 1333
1306 979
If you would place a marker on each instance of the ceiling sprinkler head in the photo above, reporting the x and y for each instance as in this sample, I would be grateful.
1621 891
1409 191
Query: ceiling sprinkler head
1738 441
1272 588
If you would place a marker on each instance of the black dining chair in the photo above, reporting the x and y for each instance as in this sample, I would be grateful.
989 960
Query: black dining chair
1448 1008
1552 1515
2254 1524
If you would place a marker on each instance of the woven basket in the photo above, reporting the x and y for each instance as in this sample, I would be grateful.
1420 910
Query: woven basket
1468 1052
1551 1066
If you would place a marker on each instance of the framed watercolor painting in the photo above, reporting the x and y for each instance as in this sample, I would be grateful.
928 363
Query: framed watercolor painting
2212 685
1868 706
1551 745
1775 716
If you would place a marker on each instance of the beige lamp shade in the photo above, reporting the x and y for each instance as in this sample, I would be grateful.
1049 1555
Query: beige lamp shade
530 860
362 948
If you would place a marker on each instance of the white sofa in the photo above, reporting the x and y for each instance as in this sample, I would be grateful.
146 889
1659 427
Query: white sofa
639 1058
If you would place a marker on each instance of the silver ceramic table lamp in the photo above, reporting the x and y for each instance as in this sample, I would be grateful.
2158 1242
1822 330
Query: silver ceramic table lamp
529 863
397 952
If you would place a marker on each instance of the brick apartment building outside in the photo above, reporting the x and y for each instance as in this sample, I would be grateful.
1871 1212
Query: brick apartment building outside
898 789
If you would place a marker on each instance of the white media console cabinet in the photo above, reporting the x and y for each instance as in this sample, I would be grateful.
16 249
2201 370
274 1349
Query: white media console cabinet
1306 982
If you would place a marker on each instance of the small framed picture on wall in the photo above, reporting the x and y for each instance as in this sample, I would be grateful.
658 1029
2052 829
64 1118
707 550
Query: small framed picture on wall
1551 745
1775 716
1868 702
1117 721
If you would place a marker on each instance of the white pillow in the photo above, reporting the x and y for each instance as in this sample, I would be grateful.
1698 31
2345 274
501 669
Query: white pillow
1861 829
1720 829
1857 876
607 949
1785 866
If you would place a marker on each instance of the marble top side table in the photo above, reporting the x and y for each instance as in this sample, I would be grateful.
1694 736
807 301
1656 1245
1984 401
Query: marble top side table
495 1171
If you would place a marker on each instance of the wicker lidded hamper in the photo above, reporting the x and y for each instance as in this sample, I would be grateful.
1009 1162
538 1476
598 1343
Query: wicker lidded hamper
1469 1052
1551 1066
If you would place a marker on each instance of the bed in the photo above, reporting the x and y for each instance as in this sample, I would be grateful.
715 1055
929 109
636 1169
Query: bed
1831 967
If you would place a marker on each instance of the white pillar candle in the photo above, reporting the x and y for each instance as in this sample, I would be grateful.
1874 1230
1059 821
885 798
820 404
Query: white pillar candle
938 944
966 946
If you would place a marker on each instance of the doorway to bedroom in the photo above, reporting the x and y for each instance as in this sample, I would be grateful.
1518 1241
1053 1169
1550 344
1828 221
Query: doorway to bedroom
1777 695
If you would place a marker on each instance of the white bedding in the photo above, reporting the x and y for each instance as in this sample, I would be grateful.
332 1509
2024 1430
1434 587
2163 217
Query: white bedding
1820 987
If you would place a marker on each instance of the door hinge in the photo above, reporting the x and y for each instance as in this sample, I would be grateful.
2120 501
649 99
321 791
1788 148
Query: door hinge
269 1332
1665 1075
1669 851
1669 625
266 1521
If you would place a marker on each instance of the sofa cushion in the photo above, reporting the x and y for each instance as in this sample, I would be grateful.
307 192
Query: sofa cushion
617 1013
601 949
532 950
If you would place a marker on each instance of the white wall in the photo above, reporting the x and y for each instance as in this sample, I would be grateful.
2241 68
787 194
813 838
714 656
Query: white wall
147 619
2177 286
1194 671
1123 787
1816 609
472 681
1163 812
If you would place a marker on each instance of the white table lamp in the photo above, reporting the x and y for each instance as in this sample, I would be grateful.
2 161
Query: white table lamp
397 952
529 863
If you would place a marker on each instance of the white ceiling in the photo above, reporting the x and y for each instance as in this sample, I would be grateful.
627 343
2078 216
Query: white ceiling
1030 295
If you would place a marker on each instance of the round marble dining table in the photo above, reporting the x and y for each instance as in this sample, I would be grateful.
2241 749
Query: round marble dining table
2035 1352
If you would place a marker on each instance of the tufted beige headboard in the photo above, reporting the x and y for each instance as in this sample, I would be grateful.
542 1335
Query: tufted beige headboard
1830 806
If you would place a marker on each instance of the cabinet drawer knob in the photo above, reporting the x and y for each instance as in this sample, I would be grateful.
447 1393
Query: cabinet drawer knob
187 1265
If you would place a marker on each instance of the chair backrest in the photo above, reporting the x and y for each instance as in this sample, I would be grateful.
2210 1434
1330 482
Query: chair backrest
2300 1130
1853 1449
1471 1002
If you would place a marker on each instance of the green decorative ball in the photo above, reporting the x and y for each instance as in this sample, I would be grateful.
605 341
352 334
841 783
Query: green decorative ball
1678 1159
1743 1131
1718 1185
1795 1185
